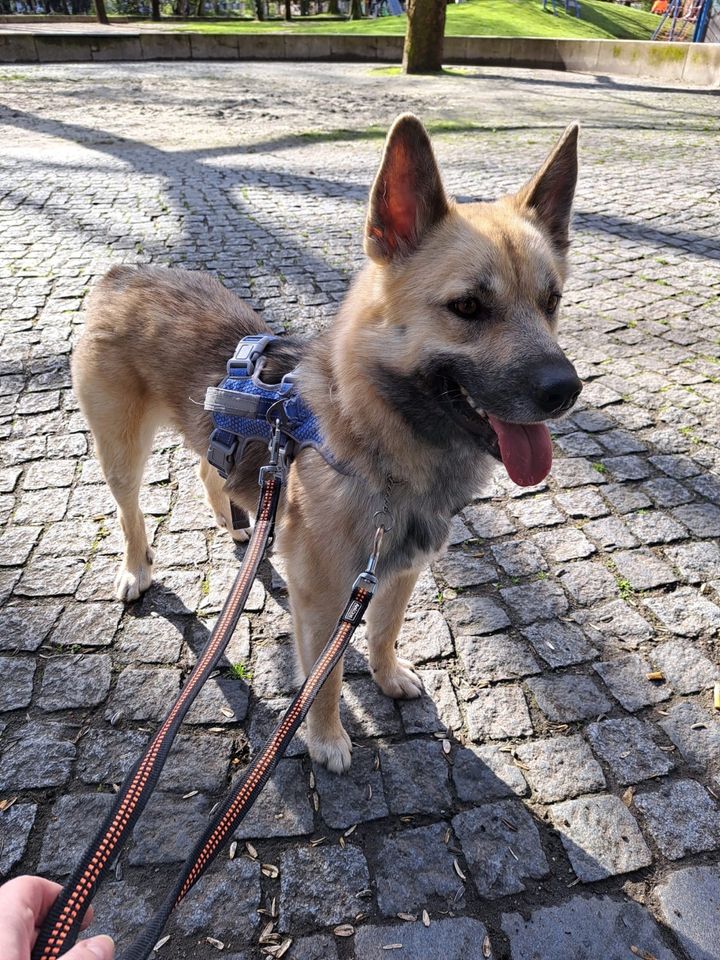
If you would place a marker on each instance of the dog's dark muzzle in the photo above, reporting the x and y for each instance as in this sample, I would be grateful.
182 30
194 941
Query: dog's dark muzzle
555 387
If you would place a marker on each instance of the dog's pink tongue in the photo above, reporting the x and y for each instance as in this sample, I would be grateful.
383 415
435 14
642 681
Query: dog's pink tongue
525 448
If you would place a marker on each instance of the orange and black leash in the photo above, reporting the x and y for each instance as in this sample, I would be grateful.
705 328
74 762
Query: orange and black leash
62 924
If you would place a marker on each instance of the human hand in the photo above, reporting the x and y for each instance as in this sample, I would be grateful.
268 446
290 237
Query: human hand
23 905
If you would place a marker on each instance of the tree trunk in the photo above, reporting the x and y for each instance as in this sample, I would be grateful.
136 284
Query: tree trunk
199 8
334 8
423 50
155 10
259 10
288 10
356 11
101 13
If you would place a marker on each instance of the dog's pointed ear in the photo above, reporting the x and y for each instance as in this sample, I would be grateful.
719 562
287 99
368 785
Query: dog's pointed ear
407 197
549 195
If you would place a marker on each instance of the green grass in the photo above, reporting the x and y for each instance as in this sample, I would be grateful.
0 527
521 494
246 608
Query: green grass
240 672
486 18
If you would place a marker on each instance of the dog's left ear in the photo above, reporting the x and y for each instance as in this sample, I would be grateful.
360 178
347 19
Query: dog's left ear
549 195
408 197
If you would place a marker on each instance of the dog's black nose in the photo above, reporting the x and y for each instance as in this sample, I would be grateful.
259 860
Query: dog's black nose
557 388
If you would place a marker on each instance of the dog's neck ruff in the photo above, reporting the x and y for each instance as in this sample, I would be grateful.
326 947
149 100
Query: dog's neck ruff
245 408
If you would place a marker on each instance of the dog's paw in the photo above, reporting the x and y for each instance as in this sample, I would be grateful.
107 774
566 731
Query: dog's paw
333 752
225 523
129 584
399 680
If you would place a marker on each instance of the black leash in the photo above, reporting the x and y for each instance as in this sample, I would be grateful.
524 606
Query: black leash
61 926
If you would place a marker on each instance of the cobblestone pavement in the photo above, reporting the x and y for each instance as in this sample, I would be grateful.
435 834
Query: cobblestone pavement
576 813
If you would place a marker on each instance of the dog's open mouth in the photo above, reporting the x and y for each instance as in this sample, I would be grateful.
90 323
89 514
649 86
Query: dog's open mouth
525 449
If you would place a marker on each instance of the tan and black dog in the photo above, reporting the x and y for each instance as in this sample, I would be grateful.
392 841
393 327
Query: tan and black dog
442 361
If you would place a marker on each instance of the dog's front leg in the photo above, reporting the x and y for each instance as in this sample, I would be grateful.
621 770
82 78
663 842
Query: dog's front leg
394 675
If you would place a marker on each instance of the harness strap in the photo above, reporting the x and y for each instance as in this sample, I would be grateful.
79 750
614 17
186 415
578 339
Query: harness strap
235 806
62 923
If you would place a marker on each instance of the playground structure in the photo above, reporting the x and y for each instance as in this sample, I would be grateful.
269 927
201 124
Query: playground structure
688 20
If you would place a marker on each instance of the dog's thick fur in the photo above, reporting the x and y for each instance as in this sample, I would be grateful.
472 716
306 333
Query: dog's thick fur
383 382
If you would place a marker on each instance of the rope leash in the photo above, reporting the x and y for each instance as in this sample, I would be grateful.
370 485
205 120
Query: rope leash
61 926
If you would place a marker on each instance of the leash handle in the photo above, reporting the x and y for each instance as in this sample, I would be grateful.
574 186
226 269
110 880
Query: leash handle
61 926
237 804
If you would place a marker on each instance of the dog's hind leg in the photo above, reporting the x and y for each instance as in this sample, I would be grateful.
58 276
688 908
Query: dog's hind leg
219 502
394 675
123 425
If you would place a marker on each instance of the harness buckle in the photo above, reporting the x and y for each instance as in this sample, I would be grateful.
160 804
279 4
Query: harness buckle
221 454
247 353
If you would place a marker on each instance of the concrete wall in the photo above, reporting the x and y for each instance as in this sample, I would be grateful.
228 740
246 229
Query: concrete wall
686 63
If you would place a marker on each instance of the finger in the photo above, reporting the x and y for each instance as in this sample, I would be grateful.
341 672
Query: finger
88 918
96 948
23 903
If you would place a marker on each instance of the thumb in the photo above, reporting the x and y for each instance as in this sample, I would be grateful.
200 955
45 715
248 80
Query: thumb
95 948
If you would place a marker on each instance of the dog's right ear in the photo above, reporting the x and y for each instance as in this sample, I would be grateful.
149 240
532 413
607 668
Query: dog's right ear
408 197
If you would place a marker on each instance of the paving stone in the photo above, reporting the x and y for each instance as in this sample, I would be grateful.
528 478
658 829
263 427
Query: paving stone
489 521
560 768
630 749
576 473
642 569
696 734
686 669
197 761
569 696
223 700
697 562
274 672
153 843
37 755
82 680
681 818
498 713
689 902
87 625
205 910
366 712
519 558
489 835
51 577
436 709
264 718
143 694
16 682
15 825
625 498
614 621
685 612
568 544
702 519
25 626
16 544
485 773
74 821
454 939
475 615
582 503
576 927
415 870
559 644
537 511
354 797
587 581
415 775
460 569
627 679
237 650
320 886
424 636
600 836
655 527
610 533
310 948
120 910
536 601
105 756
149 640
285 809
497 657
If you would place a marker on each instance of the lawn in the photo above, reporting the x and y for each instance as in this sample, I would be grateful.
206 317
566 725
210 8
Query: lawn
600 20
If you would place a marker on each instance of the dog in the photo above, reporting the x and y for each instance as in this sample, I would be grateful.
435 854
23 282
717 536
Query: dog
442 362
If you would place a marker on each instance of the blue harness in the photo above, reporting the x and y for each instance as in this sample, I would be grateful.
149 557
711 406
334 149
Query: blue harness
245 409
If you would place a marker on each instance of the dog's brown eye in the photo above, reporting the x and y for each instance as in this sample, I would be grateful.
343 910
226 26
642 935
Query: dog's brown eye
553 302
467 307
